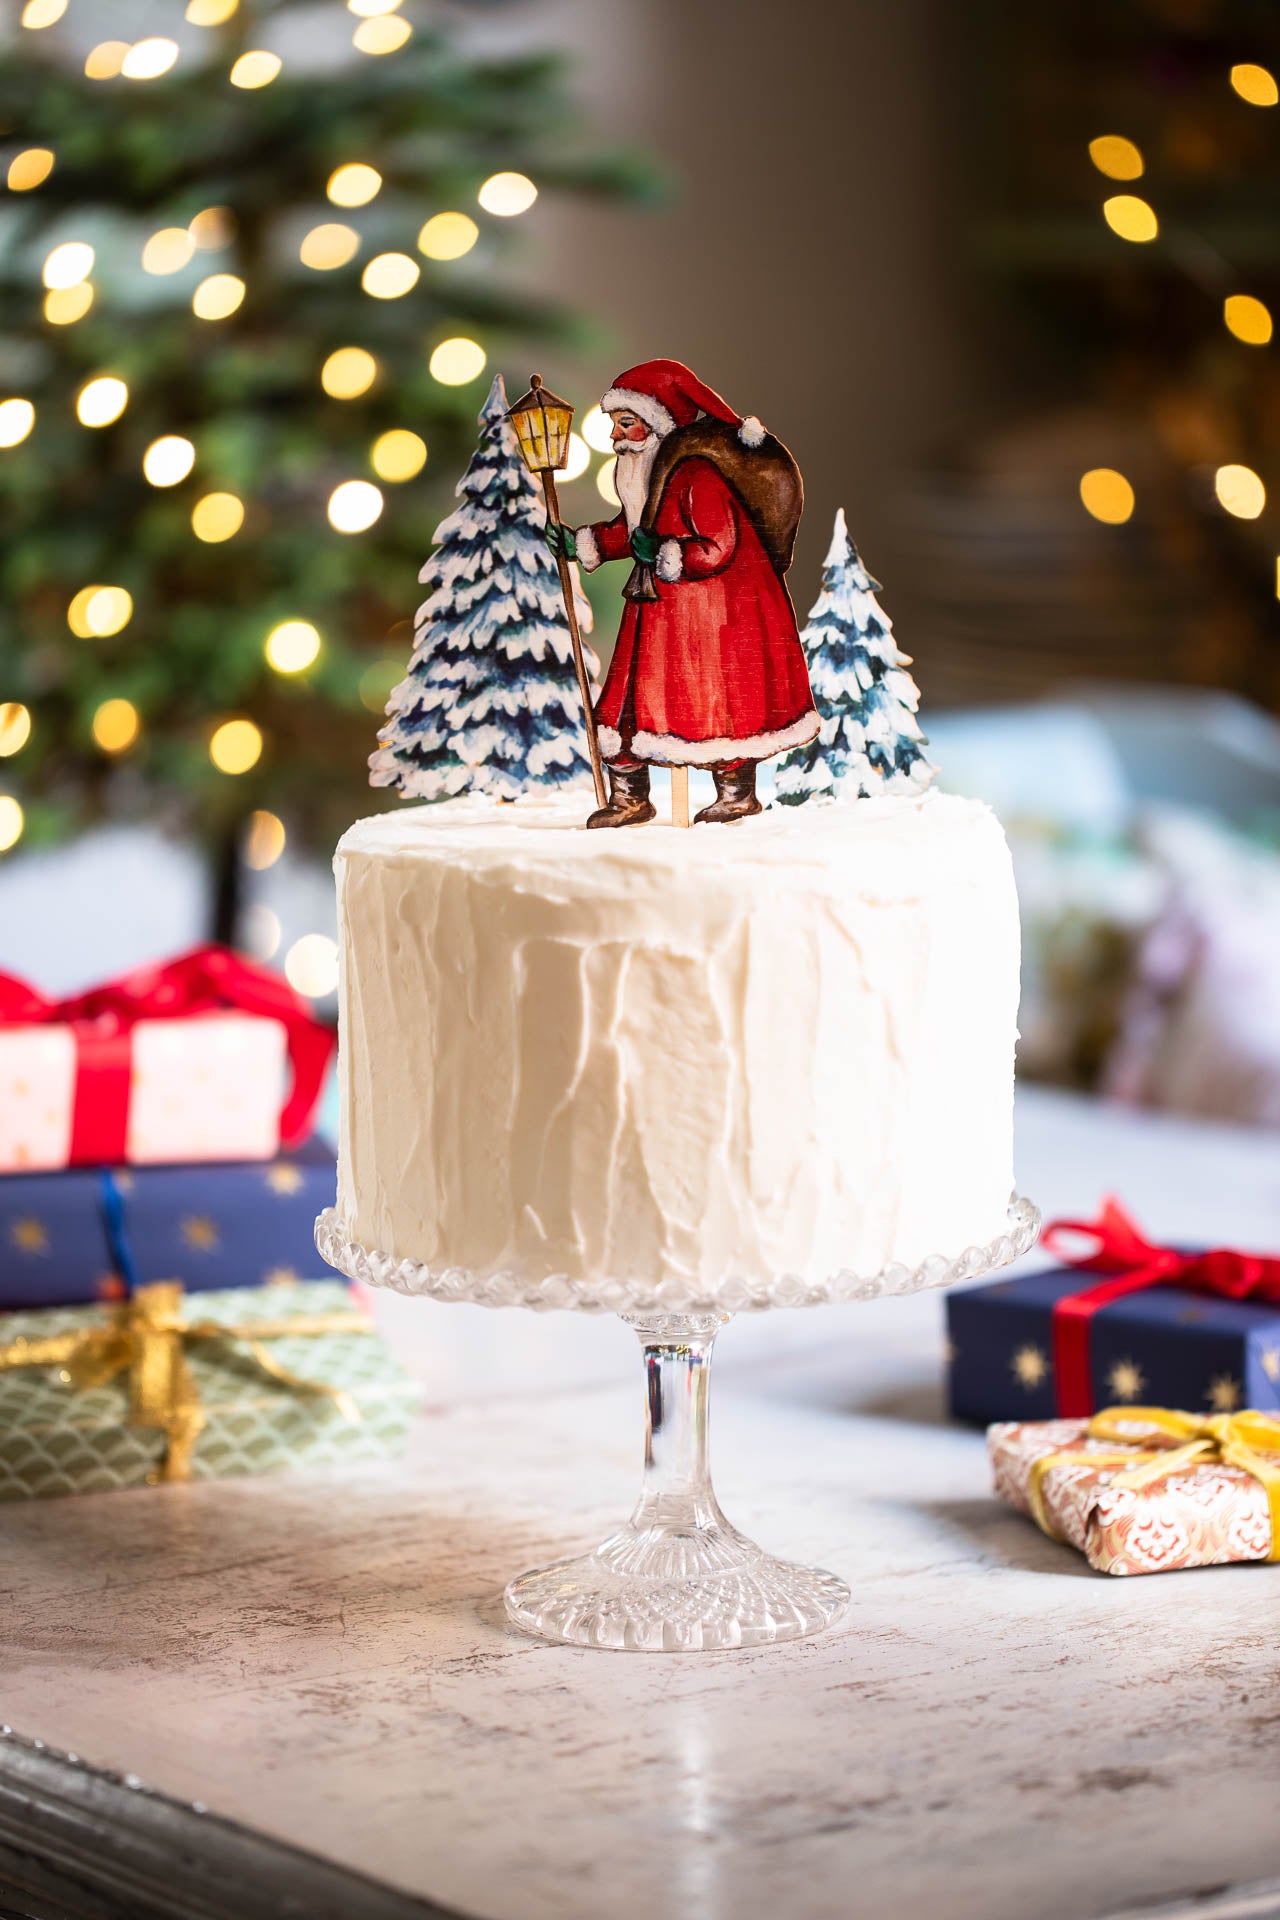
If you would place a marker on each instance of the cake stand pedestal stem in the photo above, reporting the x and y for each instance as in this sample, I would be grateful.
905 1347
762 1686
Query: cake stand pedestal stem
678 1578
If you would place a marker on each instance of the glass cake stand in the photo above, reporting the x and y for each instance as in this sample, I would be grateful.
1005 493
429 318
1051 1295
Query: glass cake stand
678 1577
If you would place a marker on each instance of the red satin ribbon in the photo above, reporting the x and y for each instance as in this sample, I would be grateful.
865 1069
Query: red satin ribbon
1133 1262
202 981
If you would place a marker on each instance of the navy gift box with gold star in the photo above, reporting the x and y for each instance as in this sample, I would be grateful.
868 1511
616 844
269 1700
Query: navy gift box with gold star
87 1233
1161 1347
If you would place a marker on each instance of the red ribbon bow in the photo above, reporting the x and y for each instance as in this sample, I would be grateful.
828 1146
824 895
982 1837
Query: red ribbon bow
1134 1262
203 981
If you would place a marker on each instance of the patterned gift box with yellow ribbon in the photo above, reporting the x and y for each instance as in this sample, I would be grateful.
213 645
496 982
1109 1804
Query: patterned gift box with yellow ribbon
1147 1489
166 1387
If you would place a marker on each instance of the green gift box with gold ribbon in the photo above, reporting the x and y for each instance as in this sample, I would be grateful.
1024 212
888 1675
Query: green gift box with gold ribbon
165 1387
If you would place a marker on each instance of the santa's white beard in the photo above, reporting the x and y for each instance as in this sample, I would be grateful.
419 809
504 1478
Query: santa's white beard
631 476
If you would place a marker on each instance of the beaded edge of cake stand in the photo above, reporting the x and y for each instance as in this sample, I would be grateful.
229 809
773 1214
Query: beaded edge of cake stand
506 1289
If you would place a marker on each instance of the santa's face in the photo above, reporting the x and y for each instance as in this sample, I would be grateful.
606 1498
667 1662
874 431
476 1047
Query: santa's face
629 431
634 443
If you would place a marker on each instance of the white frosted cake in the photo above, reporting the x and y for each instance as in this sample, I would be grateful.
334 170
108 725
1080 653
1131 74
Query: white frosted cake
692 1060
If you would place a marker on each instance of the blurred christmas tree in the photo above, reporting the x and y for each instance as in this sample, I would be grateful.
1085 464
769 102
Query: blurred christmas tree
241 304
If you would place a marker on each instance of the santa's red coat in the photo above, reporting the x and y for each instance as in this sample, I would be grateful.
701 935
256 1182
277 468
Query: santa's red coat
712 670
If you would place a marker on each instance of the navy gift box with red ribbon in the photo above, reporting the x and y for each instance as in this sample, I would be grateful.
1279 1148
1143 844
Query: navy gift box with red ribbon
1126 1320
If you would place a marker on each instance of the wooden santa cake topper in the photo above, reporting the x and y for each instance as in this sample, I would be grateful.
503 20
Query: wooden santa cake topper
708 670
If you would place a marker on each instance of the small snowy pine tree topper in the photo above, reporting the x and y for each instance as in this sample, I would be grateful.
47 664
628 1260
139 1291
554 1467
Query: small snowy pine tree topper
870 741
490 703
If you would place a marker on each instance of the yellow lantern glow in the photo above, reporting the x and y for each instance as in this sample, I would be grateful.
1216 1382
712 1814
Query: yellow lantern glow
1117 157
1255 84
1248 319
542 422
1131 217
29 169
1107 495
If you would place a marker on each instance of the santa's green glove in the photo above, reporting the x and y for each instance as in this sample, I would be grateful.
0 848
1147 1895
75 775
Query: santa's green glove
561 540
645 546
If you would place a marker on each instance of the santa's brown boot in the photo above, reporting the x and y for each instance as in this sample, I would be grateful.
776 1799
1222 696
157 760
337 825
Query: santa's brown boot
629 804
735 795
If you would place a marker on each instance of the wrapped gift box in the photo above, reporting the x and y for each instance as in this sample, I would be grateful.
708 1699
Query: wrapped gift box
1124 1320
93 1233
208 1057
1206 1512
57 1437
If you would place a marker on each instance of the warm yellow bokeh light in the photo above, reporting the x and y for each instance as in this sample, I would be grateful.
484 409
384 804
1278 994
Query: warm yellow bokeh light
455 362
104 61
370 9
210 13
311 965
102 400
235 746
116 725
17 417
43 13
353 185
398 455
389 275
29 169
264 842
292 647
377 681
1255 84
217 297
577 458
597 431
15 728
11 822
604 483
347 372
213 228
1117 157
1107 495
169 460
168 251
507 194
447 236
1131 217
354 506
1248 319
108 610
68 264
329 246
217 516
1240 491
255 69
148 59
385 34
64 305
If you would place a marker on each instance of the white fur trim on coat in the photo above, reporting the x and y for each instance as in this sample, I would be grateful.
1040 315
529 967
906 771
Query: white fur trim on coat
750 431
669 750
651 411
669 565
588 549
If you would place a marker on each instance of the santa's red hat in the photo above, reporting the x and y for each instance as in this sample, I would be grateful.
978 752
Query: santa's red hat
665 394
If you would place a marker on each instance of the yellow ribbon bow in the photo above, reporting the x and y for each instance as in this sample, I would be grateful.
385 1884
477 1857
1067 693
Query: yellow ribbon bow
146 1337
1248 1440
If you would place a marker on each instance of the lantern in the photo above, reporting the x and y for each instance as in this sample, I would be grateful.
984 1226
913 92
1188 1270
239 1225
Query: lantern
542 423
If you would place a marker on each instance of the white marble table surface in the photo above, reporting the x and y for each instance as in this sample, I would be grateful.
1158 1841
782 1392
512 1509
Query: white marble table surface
994 1733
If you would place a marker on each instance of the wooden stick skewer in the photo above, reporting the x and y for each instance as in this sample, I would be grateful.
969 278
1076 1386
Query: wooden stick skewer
679 796
579 658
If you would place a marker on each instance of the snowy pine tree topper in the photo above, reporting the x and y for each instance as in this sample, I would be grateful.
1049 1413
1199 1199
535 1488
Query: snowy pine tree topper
870 741
490 703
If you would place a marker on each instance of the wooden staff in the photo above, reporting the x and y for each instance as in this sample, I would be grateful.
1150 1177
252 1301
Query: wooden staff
579 658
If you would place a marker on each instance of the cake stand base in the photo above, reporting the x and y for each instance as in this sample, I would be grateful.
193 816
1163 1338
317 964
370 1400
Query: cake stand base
678 1578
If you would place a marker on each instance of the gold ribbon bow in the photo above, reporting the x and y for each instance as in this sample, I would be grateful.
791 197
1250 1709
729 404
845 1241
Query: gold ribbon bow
1248 1440
147 1338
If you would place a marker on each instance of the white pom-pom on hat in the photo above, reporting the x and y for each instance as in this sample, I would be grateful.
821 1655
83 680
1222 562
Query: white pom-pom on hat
750 431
